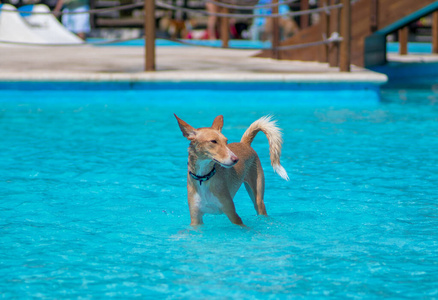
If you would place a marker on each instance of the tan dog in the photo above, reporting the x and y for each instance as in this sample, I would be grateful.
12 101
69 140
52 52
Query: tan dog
217 169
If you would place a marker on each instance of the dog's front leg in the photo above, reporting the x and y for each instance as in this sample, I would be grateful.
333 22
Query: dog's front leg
195 217
195 213
230 210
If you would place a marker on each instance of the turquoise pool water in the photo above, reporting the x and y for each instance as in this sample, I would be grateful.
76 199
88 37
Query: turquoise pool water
392 47
93 197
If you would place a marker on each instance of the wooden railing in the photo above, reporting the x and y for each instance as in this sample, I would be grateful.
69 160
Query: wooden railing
403 35
371 21
342 45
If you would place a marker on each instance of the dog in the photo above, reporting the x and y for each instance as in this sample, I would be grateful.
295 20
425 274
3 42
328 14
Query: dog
216 169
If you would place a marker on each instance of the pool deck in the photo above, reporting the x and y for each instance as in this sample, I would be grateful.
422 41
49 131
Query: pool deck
174 64
413 58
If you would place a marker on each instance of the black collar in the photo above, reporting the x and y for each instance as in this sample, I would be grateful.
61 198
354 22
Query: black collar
205 177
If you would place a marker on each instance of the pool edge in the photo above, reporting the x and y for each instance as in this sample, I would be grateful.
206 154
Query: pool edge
368 77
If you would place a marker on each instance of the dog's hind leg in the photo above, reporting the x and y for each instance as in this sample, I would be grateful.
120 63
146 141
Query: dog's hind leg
255 186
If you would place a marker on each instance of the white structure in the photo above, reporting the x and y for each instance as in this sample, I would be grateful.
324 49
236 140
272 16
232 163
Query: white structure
16 27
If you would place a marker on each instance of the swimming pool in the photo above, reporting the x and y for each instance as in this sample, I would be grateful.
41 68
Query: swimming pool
93 197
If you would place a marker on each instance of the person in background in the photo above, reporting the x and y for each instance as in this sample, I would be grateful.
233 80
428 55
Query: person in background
261 29
211 20
76 23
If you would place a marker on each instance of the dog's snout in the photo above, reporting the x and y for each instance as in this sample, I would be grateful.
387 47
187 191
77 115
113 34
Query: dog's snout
235 159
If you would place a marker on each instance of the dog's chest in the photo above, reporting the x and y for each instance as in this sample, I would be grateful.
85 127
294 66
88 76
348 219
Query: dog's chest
207 202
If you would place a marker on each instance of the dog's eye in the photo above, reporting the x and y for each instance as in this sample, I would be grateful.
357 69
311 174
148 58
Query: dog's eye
213 141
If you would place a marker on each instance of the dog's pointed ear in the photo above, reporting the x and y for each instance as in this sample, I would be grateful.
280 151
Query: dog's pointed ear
188 131
218 123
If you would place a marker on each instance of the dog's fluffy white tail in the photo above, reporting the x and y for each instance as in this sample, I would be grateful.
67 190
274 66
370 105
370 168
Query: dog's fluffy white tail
273 133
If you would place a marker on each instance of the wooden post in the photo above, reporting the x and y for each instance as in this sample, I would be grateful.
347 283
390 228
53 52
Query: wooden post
403 40
275 31
345 51
92 16
435 32
149 29
333 48
224 28
374 17
304 19
325 22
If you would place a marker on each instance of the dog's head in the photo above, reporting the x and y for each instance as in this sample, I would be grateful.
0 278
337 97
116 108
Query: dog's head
209 142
